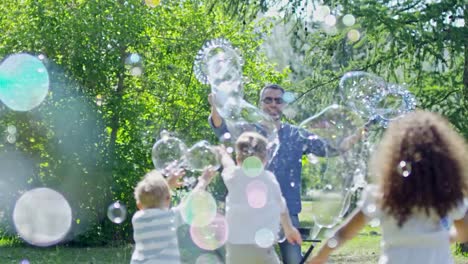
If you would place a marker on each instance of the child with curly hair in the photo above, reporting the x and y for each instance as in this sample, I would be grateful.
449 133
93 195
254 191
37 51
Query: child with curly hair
422 171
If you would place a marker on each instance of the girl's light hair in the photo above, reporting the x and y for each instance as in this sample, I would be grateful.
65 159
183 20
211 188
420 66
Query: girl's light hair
152 191
434 156
251 144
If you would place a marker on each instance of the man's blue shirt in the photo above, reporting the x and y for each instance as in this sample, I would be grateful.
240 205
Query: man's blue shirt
287 163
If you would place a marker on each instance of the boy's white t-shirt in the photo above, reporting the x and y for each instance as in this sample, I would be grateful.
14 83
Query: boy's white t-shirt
253 206
421 238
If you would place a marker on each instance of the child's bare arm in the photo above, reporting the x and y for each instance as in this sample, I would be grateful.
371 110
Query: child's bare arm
346 231
205 178
224 157
459 230
174 177
292 234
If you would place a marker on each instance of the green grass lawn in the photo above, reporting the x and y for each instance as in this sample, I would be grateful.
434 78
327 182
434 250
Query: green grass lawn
363 249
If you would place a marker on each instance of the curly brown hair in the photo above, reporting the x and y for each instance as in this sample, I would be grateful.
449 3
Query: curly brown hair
421 163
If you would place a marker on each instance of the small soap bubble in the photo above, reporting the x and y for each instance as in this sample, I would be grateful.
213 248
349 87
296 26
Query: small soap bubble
374 222
227 135
332 242
134 58
252 166
11 138
264 238
371 208
348 20
353 35
257 194
117 212
330 20
404 168
136 71
11 129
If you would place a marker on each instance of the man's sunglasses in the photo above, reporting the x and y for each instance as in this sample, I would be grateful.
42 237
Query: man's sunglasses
269 100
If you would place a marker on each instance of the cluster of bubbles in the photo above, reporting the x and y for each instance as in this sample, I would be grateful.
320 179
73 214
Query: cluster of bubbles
169 152
313 15
11 134
24 82
219 65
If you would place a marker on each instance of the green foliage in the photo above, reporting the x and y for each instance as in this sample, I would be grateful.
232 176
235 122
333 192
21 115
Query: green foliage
92 137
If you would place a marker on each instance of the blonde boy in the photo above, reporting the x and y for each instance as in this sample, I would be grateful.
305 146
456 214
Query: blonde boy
155 223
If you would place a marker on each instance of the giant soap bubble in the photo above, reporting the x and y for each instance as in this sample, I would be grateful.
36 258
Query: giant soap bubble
167 150
220 65
396 102
334 125
201 156
248 118
24 82
361 91
42 217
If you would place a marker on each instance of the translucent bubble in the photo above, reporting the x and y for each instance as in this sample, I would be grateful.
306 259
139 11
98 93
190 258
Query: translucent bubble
152 3
24 261
312 159
321 13
264 238
11 129
374 222
330 20
332 242
42 217
396 102
371 208
229 150
167 150
348 20
24 82
198 208
226 135
383 259
133 58
327 207
288 97
252 166
201 155
248 118
11 138
208 259
361 91
257 194
404 168
220 65
353 35
117 212
212 235
136 71
334 125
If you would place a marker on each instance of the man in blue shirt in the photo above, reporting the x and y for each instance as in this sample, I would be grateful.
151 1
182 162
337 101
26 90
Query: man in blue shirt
287 163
